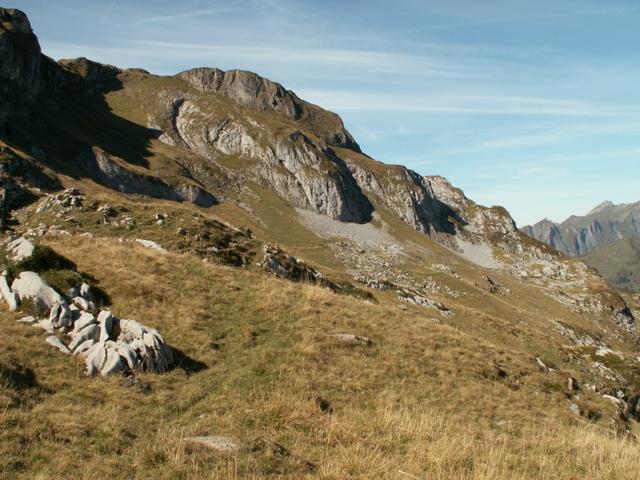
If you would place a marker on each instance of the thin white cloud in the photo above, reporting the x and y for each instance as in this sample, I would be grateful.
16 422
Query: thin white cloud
108 11
470 104
181 16
356 60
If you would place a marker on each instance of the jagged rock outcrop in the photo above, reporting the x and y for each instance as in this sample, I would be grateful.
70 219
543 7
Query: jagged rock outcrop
251 90
492 224
409 195
304 171
279 263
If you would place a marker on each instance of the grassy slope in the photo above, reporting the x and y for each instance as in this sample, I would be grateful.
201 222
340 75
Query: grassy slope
619 263
426 399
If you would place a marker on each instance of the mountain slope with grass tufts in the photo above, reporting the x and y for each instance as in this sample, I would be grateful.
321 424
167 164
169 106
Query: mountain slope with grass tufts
328 315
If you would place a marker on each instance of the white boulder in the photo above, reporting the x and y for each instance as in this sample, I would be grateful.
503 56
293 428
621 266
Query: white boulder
44 324
56 342
10 297
28 320
20 249
29 286
89 332
151 244
215 442
95 358
82 321
84 346
60 314
105 320
113 362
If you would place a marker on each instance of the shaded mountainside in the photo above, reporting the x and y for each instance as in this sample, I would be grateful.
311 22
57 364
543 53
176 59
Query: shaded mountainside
619 263
327 313
581 235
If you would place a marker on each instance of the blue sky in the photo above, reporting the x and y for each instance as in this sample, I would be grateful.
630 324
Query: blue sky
531 105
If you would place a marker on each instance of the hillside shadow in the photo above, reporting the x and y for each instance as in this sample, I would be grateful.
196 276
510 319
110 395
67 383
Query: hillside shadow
15 377
185 363
60 272
76 115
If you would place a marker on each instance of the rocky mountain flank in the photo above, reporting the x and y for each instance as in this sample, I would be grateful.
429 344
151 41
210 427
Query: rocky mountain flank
581 235
208 137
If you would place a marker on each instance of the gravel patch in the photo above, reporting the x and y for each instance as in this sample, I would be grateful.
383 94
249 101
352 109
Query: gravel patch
365 234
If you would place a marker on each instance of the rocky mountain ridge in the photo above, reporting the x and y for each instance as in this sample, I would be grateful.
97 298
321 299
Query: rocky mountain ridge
581 235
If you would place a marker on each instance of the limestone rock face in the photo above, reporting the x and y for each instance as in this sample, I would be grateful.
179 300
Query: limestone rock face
251 90
409 195
302 170
477 221
245 88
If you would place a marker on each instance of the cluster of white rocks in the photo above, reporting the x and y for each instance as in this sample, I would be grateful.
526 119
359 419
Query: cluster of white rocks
416 298
107 344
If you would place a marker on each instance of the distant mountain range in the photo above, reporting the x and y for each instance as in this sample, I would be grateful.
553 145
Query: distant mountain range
606 238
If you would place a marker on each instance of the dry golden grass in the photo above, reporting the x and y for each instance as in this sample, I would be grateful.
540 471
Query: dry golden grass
423 402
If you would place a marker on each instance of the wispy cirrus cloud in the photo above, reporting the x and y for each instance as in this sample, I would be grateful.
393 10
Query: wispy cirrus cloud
463 104
185 15
107 12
